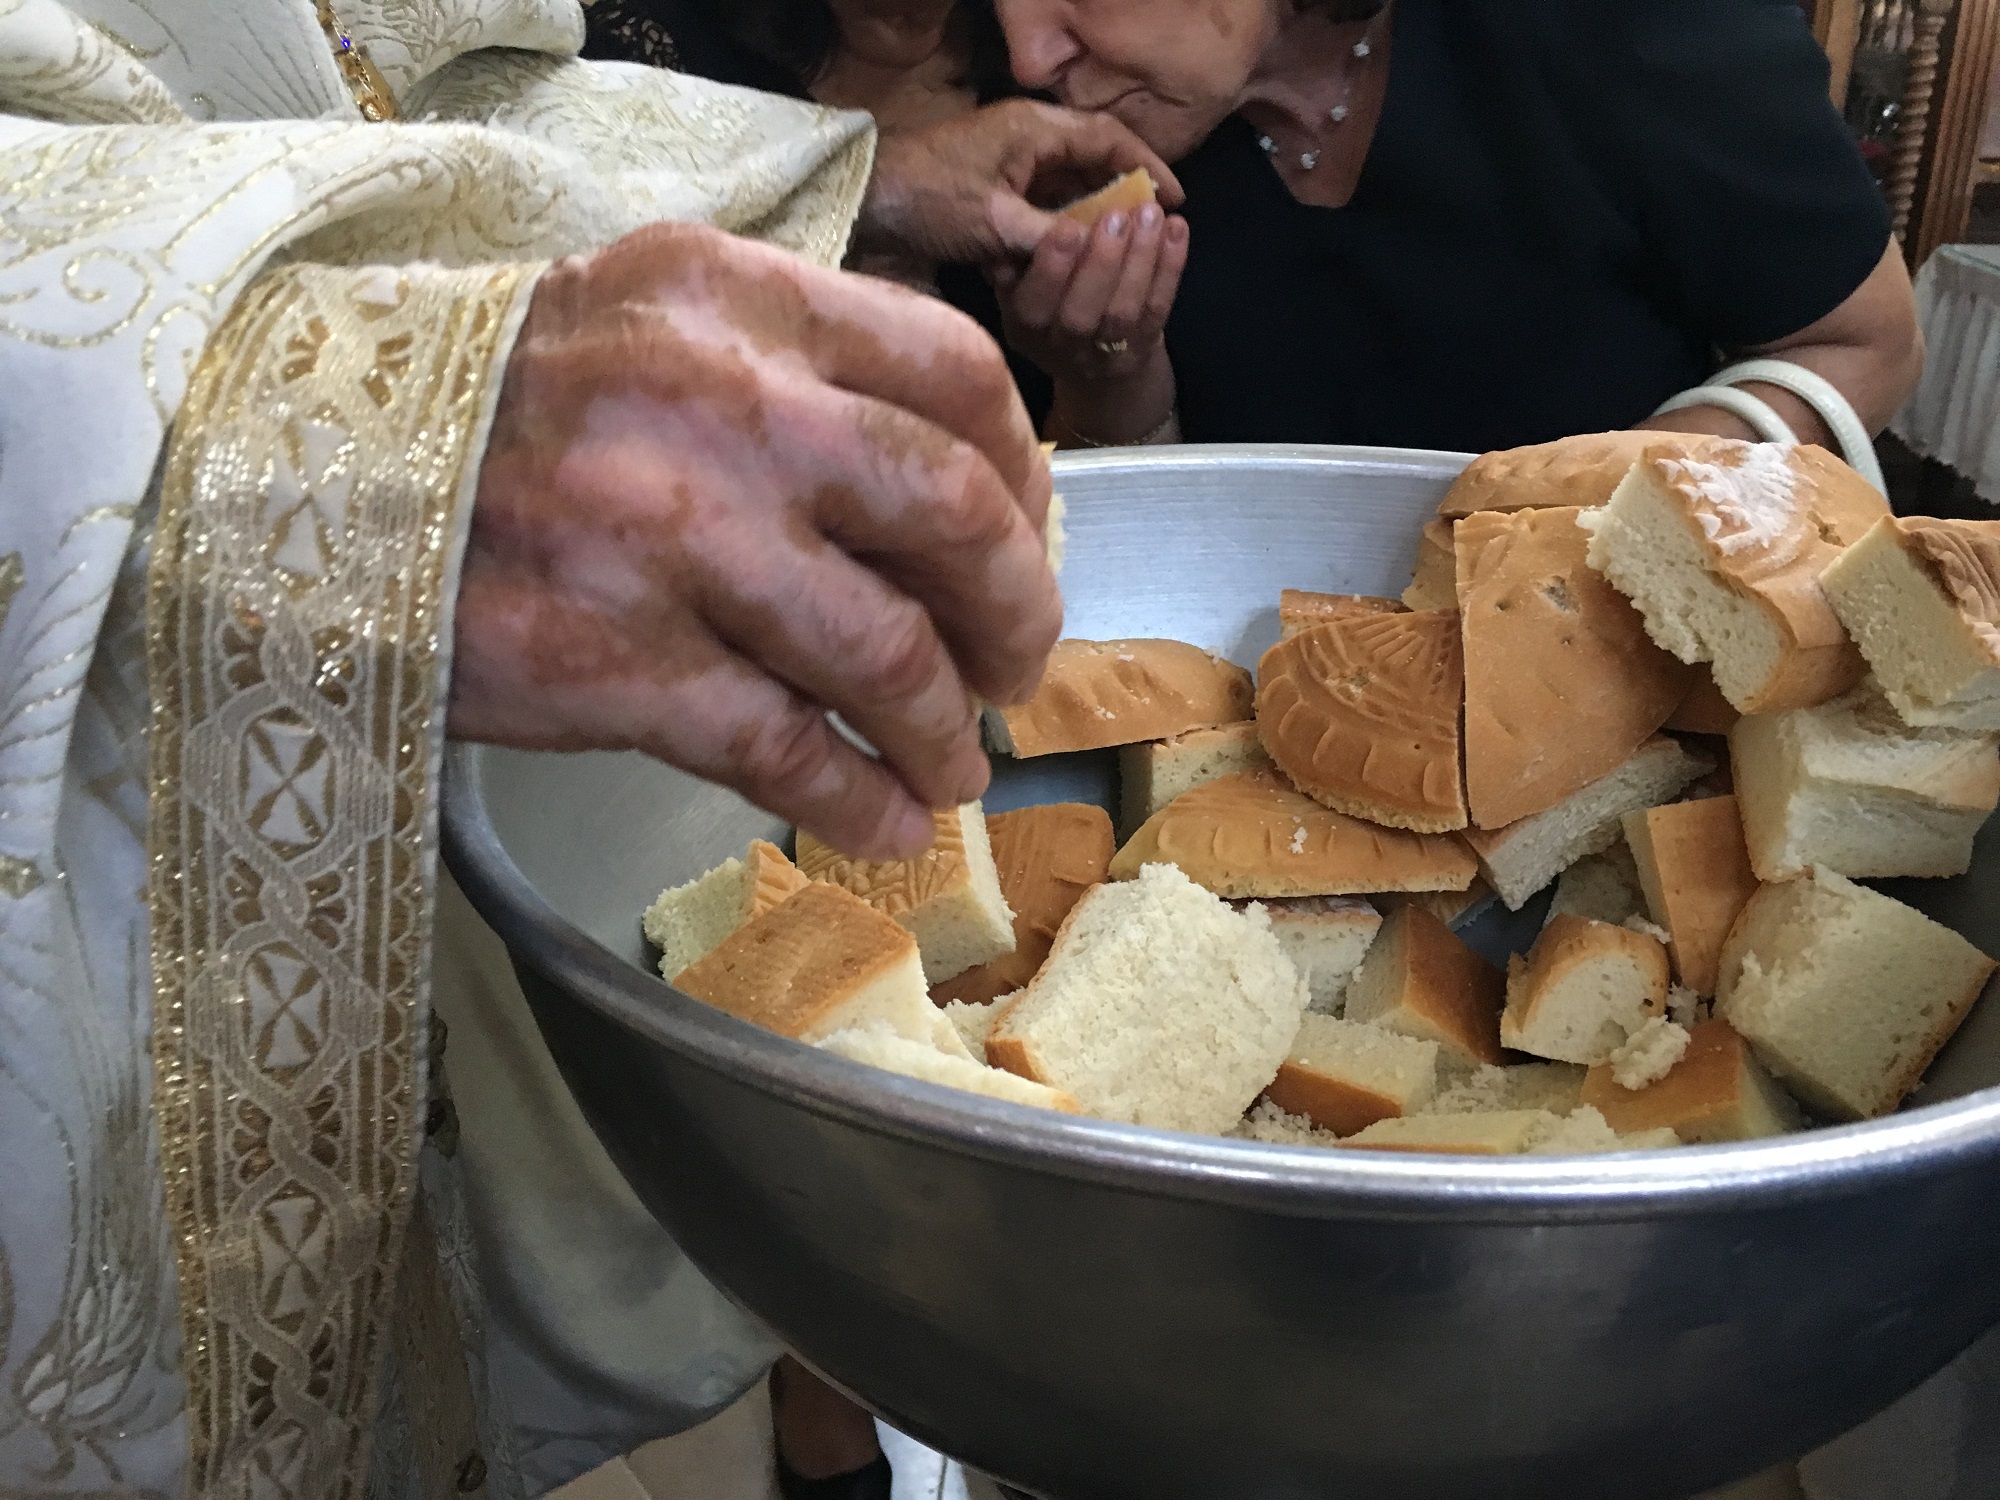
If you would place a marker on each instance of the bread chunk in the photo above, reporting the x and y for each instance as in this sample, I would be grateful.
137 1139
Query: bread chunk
1326 938
1845 993
1583 990
879 1046
1721 546
1344 1076
1300 609
1101 693
948 897
1127 194
1572 471
1550 1086
1921 598
1420 980
1250 837
1695 871
1158 1006
1363 715
1435 584
820 961
1503 1133
1850 787
974 1022
689 921
1045 858
1562 683
1717 1092
1650 1053
1153 774
1523 857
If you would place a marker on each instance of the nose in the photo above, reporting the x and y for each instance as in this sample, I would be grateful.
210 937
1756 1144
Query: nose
1039 44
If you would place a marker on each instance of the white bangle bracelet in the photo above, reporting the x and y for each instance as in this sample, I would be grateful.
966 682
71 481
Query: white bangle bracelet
1834 409
1763 421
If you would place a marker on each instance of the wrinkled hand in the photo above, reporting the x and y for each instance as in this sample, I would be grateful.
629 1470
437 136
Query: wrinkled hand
957 192
1092 305
726 492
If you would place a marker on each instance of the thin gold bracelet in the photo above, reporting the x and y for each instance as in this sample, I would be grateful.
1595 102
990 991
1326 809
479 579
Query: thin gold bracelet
1167 431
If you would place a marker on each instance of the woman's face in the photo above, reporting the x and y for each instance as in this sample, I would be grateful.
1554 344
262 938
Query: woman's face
1170 69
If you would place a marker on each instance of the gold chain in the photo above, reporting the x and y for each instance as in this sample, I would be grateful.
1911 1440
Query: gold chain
364 80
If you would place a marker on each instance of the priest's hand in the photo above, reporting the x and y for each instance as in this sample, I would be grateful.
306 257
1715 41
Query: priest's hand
727 492
960 191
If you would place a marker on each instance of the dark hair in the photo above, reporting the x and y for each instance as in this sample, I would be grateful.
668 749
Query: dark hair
800 36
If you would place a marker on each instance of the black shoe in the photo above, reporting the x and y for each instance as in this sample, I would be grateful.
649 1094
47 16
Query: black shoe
870 1483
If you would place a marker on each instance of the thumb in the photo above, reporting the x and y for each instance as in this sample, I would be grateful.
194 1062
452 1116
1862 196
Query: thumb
1017 223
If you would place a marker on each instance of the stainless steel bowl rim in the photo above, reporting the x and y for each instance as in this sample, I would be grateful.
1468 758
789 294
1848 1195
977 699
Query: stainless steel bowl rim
1700 1180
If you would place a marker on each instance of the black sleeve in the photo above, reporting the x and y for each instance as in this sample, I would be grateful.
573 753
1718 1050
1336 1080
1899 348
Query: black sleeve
682 35
1759 214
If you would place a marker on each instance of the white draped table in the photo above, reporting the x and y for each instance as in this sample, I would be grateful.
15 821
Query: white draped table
1954 417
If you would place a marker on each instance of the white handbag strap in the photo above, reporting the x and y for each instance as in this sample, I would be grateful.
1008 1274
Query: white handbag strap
1765 422
1824 398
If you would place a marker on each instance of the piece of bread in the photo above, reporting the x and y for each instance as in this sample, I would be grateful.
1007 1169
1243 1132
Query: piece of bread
1344 1076
1846 994
1499 1133
974 1022
1716 1092
1523 857
1101 693
820 961
879 1046
1551 1086
1704 710
1603 887
1435 584
1326 938
1267 1123
1582 991
1921 598
1455 909
1363 715
1300 609
1420 980
1251 837
688 922
1721 546
1562 683
1127 195
1158 1006
1572 471
948 897
1152 774
1695 872
1045 857
1649 1054
1850 786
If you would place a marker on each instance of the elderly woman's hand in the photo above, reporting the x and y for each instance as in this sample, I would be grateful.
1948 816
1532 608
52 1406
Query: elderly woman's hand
727 492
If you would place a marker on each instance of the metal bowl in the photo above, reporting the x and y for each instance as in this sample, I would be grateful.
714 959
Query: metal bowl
1098 1312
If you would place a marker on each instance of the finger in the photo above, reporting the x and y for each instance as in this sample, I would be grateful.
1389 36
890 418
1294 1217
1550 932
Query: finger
1039 293
1096 144
1167 273
1097 276
1126 306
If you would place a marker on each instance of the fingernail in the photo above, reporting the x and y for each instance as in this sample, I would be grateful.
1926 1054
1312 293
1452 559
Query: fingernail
1114 227
1149 216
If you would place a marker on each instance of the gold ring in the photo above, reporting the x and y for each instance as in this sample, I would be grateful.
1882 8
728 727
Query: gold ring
1113 346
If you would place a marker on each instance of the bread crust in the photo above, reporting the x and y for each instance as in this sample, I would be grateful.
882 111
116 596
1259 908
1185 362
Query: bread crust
1047 857
1125 194
1097 694
1573 471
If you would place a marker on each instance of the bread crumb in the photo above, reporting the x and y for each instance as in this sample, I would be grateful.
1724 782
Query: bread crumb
1652 930
1267 1123
1650 1054
1299 839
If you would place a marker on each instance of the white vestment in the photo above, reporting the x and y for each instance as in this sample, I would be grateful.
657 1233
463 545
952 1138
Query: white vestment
261 263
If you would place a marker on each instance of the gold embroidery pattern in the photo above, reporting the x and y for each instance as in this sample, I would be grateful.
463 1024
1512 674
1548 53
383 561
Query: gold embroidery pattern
300 589
357 69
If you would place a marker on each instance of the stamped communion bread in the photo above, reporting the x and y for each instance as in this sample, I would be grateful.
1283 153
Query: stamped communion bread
1299 609
1435 585
1573 471
1721 545
1420 980
689 921
1153 774
1694 870
1101 693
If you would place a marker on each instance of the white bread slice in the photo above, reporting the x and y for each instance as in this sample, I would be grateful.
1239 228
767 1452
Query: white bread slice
1455 909
687 922
1435 584
1158 1006
1151 775
1046 857
1578 471
1704 710
1721 545
1420 980
1301 609
1250 836
1695 871
949 896
1551 1086
1101 693
1583 990
1562 683
1846 994
1921 598
974 1022
820 961
1344 1076
1126 194
1851 787
1363 715
1603 887
1716 1092
1523 857
879 1046
1498 1133
1326 938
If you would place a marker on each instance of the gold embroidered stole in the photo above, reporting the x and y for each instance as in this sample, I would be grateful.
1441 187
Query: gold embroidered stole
299 609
